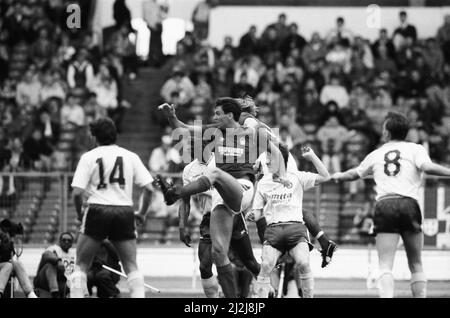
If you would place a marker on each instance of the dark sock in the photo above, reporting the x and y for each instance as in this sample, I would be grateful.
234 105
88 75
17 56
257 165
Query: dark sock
226 281
261 225
200 185
323 241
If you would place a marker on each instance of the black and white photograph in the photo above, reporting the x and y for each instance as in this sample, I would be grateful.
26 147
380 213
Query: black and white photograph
243 149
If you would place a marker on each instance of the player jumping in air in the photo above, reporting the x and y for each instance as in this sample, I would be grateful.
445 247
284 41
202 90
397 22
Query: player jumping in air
240 241
247 118
397 168
280 194
233 178
107 174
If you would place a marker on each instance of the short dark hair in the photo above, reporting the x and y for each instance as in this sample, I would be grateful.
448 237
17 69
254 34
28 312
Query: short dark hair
403 13
104 130
397 125
66 233
340 20
230 105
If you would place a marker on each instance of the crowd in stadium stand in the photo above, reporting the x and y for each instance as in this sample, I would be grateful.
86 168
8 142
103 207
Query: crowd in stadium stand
54 81
331 91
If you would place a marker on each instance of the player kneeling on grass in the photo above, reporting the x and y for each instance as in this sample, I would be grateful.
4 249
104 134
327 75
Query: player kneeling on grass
280 194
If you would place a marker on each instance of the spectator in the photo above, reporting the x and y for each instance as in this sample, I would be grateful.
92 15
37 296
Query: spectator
339 33
314 50
121 45
92 109
7 252
248 44
383 41
296 135
269 41
280 27
121 14
181 84
292 40
332 137
404 31
200 18
443 37
72 114
56 265
334 91
202 88
383 63
80 72
222 81
267 96
243 87
42 48
51 87
245 67
65 51
37 151
165 158
49 127
434 57
106 90
310 111
154 14
103 279
340 55
28 90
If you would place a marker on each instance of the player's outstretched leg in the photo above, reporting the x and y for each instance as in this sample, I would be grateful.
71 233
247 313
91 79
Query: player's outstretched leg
327 245
413 246
209 281
300 254
386 246
87 248
127 254
270 256
221 229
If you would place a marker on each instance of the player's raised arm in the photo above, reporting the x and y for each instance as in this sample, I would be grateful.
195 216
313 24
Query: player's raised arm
323 174
174 122
435 169
363 170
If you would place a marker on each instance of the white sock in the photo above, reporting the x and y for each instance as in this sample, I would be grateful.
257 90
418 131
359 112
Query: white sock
419 285
263 287
307 284
32 295
386 285
135 284
211 287
78 284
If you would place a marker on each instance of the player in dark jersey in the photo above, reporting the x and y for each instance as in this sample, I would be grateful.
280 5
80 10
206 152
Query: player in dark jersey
233 179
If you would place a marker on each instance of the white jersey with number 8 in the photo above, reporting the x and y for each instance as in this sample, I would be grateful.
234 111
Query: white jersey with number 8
108 173
396 168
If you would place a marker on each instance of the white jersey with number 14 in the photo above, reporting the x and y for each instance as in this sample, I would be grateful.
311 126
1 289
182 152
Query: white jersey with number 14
108 173
396 168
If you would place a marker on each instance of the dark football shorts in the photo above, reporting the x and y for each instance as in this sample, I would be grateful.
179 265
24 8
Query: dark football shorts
285 236
239 227
117 223
397 215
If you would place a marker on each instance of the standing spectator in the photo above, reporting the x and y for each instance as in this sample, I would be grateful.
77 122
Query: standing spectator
332 137
56 265
339 33
28 90
334 91
404 31
443 37
121 14
280 27
384 41
103 279
292 40
248 44
121 45
200 18
80 72
154 14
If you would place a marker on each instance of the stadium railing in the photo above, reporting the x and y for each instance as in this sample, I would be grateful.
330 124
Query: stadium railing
42 203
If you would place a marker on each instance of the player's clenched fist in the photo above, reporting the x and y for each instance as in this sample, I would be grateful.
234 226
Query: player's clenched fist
167 109
308 153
